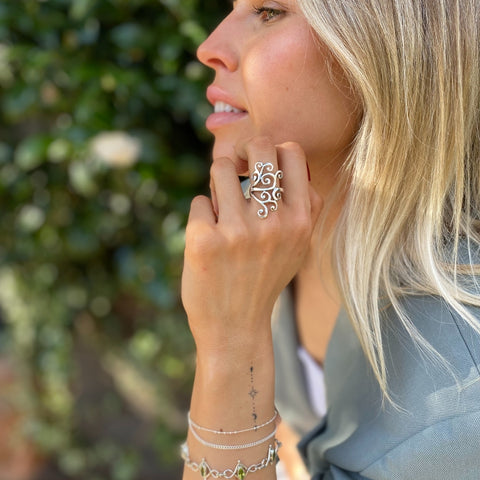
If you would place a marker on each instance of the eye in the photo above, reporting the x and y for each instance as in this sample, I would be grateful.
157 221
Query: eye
267 14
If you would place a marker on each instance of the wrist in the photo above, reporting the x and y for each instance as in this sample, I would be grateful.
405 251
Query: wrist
231 346
234 391
236 388
227 369
223 363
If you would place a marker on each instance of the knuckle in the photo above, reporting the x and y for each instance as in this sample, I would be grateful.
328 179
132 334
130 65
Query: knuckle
237 235
271 231
220 165
302 224
316 202
197 202
260 142
293 149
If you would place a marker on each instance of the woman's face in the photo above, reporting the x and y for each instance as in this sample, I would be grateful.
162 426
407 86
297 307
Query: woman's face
273 78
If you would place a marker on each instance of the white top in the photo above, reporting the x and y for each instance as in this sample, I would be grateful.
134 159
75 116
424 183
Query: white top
315 381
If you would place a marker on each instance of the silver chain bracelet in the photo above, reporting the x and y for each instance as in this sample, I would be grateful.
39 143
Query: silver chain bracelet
231 447
234 432
240 471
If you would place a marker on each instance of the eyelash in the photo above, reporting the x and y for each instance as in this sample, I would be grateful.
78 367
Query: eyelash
267 14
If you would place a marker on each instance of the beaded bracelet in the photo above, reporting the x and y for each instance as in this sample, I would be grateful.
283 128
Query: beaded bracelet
232 447
234 432
240 471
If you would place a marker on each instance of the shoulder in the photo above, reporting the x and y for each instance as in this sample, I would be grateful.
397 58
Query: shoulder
434 364
447 449
434 339
437 396
452 334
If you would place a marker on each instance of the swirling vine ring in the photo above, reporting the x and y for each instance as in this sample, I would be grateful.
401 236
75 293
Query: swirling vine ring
265 188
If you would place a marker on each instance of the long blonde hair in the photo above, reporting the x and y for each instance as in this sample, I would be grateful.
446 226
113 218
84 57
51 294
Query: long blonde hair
414 169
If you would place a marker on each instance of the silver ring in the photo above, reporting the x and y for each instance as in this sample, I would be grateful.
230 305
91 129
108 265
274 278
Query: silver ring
265 188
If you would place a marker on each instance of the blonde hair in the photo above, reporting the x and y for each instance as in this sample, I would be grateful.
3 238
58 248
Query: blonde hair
414 169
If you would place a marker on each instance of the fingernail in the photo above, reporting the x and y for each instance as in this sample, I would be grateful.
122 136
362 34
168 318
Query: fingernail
308 173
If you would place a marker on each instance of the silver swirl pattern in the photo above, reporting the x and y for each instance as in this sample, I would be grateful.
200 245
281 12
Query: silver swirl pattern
265 188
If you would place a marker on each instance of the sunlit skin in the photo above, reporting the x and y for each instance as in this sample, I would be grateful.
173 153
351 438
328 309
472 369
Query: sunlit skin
291 105
269 64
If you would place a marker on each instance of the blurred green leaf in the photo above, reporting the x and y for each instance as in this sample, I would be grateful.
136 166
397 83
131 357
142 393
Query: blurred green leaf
81 8
31 152
82 179
131 35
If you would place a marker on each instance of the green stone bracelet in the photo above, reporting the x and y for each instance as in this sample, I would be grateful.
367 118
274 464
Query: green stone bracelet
240 471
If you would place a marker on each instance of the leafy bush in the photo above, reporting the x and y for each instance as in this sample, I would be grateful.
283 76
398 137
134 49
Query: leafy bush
102 146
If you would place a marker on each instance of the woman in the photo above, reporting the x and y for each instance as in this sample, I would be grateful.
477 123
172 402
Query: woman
364 117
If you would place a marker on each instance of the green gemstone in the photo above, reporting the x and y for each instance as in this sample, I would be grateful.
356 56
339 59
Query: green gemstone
204 469
241 471
272 454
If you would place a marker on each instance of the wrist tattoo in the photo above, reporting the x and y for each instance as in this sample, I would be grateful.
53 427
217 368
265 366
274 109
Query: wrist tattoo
253 393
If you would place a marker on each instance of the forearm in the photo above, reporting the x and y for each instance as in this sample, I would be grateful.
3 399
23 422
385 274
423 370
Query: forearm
234 391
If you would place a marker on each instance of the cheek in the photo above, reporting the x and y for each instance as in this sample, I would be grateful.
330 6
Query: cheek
272 67
294 99
271 77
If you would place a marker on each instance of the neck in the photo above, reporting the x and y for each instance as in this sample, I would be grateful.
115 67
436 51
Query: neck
325 181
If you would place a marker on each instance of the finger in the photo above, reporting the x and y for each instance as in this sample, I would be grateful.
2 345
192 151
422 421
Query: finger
228 192
295 184
316 203
213 195
201 211
261 155
257 149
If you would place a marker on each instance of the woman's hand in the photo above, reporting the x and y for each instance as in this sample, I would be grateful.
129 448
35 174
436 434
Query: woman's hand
236 263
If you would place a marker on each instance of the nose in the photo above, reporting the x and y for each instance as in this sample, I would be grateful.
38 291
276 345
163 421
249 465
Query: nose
218 51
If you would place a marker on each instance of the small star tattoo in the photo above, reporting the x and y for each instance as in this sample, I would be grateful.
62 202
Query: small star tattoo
253 393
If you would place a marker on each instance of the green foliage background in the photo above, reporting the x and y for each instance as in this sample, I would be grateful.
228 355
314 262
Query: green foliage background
90 253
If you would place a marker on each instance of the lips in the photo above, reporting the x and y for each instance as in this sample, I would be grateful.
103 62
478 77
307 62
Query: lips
217 95
227 110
